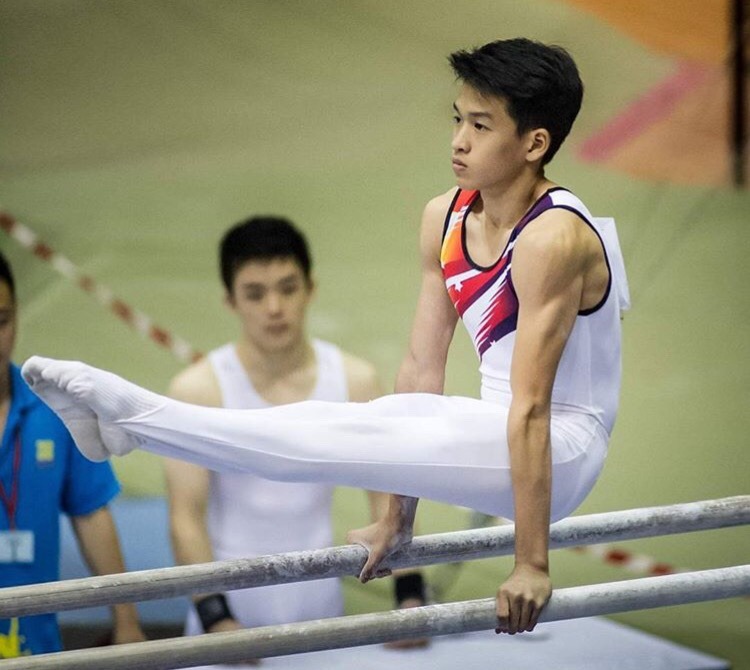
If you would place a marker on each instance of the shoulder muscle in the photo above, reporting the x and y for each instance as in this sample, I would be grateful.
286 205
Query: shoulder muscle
361 377
551 252
433 221
196 384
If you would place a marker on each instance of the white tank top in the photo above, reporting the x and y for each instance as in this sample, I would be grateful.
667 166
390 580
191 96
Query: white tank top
248 516
588 375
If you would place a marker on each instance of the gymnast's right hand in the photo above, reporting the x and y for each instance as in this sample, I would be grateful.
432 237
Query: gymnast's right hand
381 539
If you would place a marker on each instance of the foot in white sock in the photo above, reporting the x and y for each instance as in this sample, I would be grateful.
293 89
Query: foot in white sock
90 402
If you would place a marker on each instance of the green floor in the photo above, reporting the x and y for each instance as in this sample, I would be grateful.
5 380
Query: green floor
133 133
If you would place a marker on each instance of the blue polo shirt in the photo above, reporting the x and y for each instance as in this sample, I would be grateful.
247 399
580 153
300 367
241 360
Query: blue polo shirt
53 477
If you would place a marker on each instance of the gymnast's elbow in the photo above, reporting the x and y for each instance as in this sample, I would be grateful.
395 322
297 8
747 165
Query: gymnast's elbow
417 375
529 419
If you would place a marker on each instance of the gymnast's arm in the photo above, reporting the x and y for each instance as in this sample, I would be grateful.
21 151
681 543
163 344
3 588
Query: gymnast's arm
188 485
100 546
422 371
549 262
423 367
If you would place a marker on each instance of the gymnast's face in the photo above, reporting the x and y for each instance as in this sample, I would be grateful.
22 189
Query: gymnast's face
271 299
487 150
7 324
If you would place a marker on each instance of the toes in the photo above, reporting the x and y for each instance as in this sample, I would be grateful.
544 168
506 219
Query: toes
69 376
61 384
32 369
44 375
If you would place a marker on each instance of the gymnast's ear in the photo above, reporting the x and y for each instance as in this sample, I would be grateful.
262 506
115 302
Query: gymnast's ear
312 286
538 144
229 301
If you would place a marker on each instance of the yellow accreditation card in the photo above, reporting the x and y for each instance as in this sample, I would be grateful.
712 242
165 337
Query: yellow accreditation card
16 546
45 452
12 643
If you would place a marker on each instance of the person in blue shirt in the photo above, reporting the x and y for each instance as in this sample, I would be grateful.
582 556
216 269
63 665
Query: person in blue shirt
41 475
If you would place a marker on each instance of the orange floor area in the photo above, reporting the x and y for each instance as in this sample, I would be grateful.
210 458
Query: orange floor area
691 29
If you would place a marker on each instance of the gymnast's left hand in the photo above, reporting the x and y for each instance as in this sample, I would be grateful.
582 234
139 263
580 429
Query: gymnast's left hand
521 598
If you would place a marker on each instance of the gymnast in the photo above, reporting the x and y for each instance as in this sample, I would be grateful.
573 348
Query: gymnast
521 261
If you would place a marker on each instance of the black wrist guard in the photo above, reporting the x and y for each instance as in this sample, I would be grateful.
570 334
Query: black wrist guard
409 586
212 609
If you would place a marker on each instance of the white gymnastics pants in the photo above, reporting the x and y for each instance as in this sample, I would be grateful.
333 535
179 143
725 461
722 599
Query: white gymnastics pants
449 449
445 448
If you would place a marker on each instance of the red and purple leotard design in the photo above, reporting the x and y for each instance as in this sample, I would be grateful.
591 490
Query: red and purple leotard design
588 373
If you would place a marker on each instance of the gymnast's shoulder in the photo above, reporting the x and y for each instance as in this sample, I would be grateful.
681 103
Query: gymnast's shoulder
436 208
196 384
433 222
362 378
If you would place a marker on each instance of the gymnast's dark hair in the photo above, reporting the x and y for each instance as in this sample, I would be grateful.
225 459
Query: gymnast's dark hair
6 275
261 238
539 83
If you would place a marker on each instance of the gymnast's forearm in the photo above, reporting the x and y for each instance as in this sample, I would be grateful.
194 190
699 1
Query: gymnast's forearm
419 376
529 445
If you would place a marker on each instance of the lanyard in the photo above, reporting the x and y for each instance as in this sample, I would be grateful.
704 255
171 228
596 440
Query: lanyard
11 502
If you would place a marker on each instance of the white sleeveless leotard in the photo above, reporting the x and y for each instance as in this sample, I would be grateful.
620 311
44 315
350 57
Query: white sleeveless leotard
250 516
588 375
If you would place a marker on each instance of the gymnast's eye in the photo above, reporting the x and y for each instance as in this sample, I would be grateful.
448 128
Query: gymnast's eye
289 286
254 295
6 318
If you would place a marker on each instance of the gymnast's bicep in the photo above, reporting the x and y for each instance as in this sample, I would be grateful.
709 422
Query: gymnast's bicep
548 266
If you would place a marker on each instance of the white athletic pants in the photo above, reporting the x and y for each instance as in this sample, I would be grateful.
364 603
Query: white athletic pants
444 448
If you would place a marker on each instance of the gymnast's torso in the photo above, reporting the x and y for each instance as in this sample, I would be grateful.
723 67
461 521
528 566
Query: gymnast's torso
249 516
588 375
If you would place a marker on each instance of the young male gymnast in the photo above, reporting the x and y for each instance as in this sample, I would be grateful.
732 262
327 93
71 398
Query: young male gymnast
520 261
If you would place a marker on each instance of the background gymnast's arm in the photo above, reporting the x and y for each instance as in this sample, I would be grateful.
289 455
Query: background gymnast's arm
188 487
188 484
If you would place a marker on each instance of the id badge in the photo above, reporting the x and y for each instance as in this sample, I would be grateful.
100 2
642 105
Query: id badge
16 546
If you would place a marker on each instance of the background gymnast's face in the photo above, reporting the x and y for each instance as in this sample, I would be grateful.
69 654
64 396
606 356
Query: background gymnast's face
271 299
7 324
486 148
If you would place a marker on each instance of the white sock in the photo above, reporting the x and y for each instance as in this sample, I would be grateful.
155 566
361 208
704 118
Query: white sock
89 401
